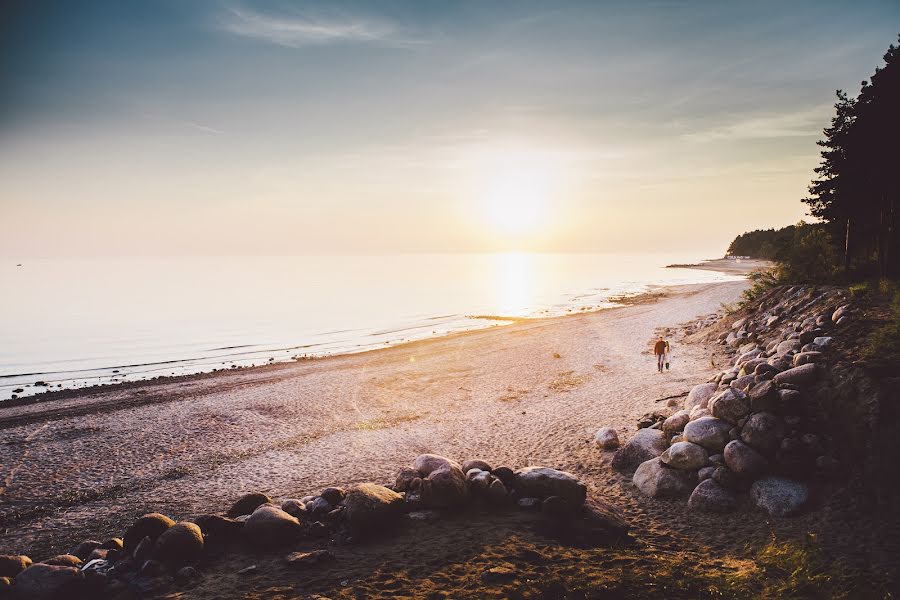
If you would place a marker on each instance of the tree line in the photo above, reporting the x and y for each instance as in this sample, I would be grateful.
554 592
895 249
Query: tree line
858 184
855 195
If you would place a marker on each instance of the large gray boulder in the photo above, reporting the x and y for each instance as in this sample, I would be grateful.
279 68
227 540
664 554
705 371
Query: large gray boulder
271 527
369 507
744 460
542 482
709 432
779 496
46 582
607 438
446 487
709 496
151 525
685 455
802 375
787 346
764 432
764 397
730 405
646 444
653 478
700 395
426 464
676 422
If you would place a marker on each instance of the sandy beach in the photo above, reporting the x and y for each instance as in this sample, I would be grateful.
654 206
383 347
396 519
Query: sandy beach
529 393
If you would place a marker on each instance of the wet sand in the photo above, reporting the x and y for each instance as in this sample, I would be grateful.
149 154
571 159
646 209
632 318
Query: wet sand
533 392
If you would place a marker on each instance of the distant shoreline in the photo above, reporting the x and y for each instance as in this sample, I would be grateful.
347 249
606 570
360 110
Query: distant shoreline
730 266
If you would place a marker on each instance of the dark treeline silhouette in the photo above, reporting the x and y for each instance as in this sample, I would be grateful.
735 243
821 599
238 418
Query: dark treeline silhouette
767 244
856 192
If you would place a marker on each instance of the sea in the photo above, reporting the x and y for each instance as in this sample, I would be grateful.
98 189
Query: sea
74 323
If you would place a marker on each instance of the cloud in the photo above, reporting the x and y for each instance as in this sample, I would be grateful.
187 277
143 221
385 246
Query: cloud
297 31
807 122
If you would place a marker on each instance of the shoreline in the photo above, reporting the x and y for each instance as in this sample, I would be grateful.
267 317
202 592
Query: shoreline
526 393
616 302
728 266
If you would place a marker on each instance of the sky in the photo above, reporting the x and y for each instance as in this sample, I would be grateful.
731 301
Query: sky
277 128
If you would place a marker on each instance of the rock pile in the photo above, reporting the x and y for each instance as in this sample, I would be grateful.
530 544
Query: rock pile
749 428
157 553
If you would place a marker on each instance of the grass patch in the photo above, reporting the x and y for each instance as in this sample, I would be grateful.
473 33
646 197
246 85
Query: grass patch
885 340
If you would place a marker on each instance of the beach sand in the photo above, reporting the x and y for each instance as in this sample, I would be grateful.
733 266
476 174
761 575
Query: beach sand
84 466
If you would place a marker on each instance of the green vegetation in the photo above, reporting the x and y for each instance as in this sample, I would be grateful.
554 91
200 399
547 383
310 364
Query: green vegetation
885 341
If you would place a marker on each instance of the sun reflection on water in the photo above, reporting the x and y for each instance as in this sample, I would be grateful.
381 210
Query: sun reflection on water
515 283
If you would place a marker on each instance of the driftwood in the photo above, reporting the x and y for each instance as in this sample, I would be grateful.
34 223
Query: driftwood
681 395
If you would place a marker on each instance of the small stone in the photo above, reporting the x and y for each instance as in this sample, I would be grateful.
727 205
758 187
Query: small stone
308 559
801 376
187 577
646 444
705 473
744 460
84 549
709 432
529 503
424 516
63 560
676 422
219 529
764 432
504 474
246 570
730 405
607 438
180 545
542 482
369 507
295 508
499 574
270 526
41 581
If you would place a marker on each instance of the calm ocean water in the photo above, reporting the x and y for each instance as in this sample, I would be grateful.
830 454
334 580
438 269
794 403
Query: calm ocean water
74 323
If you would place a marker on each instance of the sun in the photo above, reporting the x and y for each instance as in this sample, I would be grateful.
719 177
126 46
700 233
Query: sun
516 195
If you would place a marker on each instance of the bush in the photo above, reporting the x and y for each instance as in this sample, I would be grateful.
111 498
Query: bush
858 290
810 259
760 283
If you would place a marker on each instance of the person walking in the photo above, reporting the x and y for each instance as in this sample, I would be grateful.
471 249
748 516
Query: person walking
661 350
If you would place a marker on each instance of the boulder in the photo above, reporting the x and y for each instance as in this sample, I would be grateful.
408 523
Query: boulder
705 473
804 358
709 432
541 482
744 460
653 478
839 313
496 492
13 564
426 464
150 525
802 375
475 463
408 480
218 528
607 438
787 347
445 488
676 422
506 475
730 405
247 504
698 412
369 507
63 560
764 397
764 432
333 495
790 401
700 395
318 507
295 508
685 455
823 341
270 526
709 496
84 549
779 496
40 581
742 383
180 545
646 444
